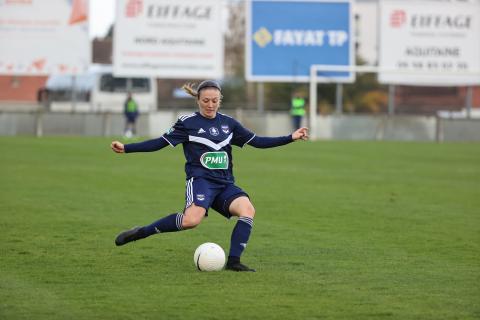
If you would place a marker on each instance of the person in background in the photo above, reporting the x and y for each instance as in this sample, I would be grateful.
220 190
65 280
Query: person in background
297 110
131 115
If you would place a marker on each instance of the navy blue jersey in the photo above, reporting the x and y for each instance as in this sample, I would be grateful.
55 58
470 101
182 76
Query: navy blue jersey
207 144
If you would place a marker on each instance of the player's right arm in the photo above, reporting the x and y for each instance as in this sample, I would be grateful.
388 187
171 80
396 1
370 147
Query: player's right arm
175 135
145 146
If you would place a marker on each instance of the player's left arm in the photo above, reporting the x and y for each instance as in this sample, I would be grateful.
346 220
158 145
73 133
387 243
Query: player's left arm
301 133
271 142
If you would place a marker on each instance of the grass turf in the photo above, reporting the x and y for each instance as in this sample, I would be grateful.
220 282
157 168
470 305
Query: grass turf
344 230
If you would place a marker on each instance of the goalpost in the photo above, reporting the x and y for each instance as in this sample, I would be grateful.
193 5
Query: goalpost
315 78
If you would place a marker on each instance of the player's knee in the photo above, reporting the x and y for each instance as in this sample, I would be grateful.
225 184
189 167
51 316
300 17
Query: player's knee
192 216
242 207
248 211
190 222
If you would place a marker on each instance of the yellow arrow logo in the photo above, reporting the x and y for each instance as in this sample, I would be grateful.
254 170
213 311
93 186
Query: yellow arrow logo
262 37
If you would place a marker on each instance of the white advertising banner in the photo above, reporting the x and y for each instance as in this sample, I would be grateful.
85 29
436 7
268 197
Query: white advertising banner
425 43
42 37
169 39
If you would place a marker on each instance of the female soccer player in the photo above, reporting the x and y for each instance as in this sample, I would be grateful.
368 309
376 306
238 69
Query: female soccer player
207 137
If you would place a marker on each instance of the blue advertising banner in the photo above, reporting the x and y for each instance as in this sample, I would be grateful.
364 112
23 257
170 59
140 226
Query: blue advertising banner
284 38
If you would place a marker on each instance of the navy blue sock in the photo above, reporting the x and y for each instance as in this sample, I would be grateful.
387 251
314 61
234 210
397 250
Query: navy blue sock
171 223
240 235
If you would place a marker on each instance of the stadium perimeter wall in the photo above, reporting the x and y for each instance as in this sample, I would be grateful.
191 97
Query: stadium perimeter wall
332 127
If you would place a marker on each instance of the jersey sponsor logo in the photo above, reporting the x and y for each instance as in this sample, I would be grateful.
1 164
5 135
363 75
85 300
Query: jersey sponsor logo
200 197
225 129
215 160
201 130
214 131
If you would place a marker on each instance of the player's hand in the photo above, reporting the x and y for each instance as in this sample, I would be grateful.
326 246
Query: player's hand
301 133
117 147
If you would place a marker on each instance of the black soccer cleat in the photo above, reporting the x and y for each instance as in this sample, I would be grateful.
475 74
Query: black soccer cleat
237 266
125 237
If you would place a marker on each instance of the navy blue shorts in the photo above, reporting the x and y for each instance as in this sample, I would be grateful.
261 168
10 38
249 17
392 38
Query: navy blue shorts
208 194
131 117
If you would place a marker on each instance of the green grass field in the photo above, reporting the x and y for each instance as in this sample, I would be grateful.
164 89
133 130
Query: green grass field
344 230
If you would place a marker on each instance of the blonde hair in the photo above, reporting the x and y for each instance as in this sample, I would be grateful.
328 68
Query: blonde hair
188 88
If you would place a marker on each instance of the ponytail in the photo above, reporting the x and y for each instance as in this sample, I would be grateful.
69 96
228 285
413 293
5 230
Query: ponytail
188 88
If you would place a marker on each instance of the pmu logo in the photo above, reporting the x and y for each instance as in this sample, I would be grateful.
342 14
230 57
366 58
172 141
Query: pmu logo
398 18
133 8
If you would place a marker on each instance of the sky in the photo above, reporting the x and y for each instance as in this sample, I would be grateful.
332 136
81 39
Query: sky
102 15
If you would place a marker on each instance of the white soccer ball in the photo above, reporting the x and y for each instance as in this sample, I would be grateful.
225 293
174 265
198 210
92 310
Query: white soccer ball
209 257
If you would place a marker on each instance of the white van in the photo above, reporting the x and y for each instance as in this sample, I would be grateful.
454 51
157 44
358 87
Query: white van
99 91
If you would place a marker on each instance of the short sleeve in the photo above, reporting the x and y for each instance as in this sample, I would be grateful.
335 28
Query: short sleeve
241 135
176 134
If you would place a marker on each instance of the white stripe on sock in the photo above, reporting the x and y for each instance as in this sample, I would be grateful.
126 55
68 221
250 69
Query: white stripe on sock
179 220
247 220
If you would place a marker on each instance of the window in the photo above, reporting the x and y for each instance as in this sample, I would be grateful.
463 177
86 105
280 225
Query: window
15 82
109 83
140 85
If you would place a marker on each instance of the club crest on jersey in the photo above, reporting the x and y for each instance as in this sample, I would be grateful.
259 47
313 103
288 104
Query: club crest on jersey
214 131
225 129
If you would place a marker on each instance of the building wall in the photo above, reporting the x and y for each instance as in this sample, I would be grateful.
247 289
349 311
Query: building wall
476 97
102 51
20 89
